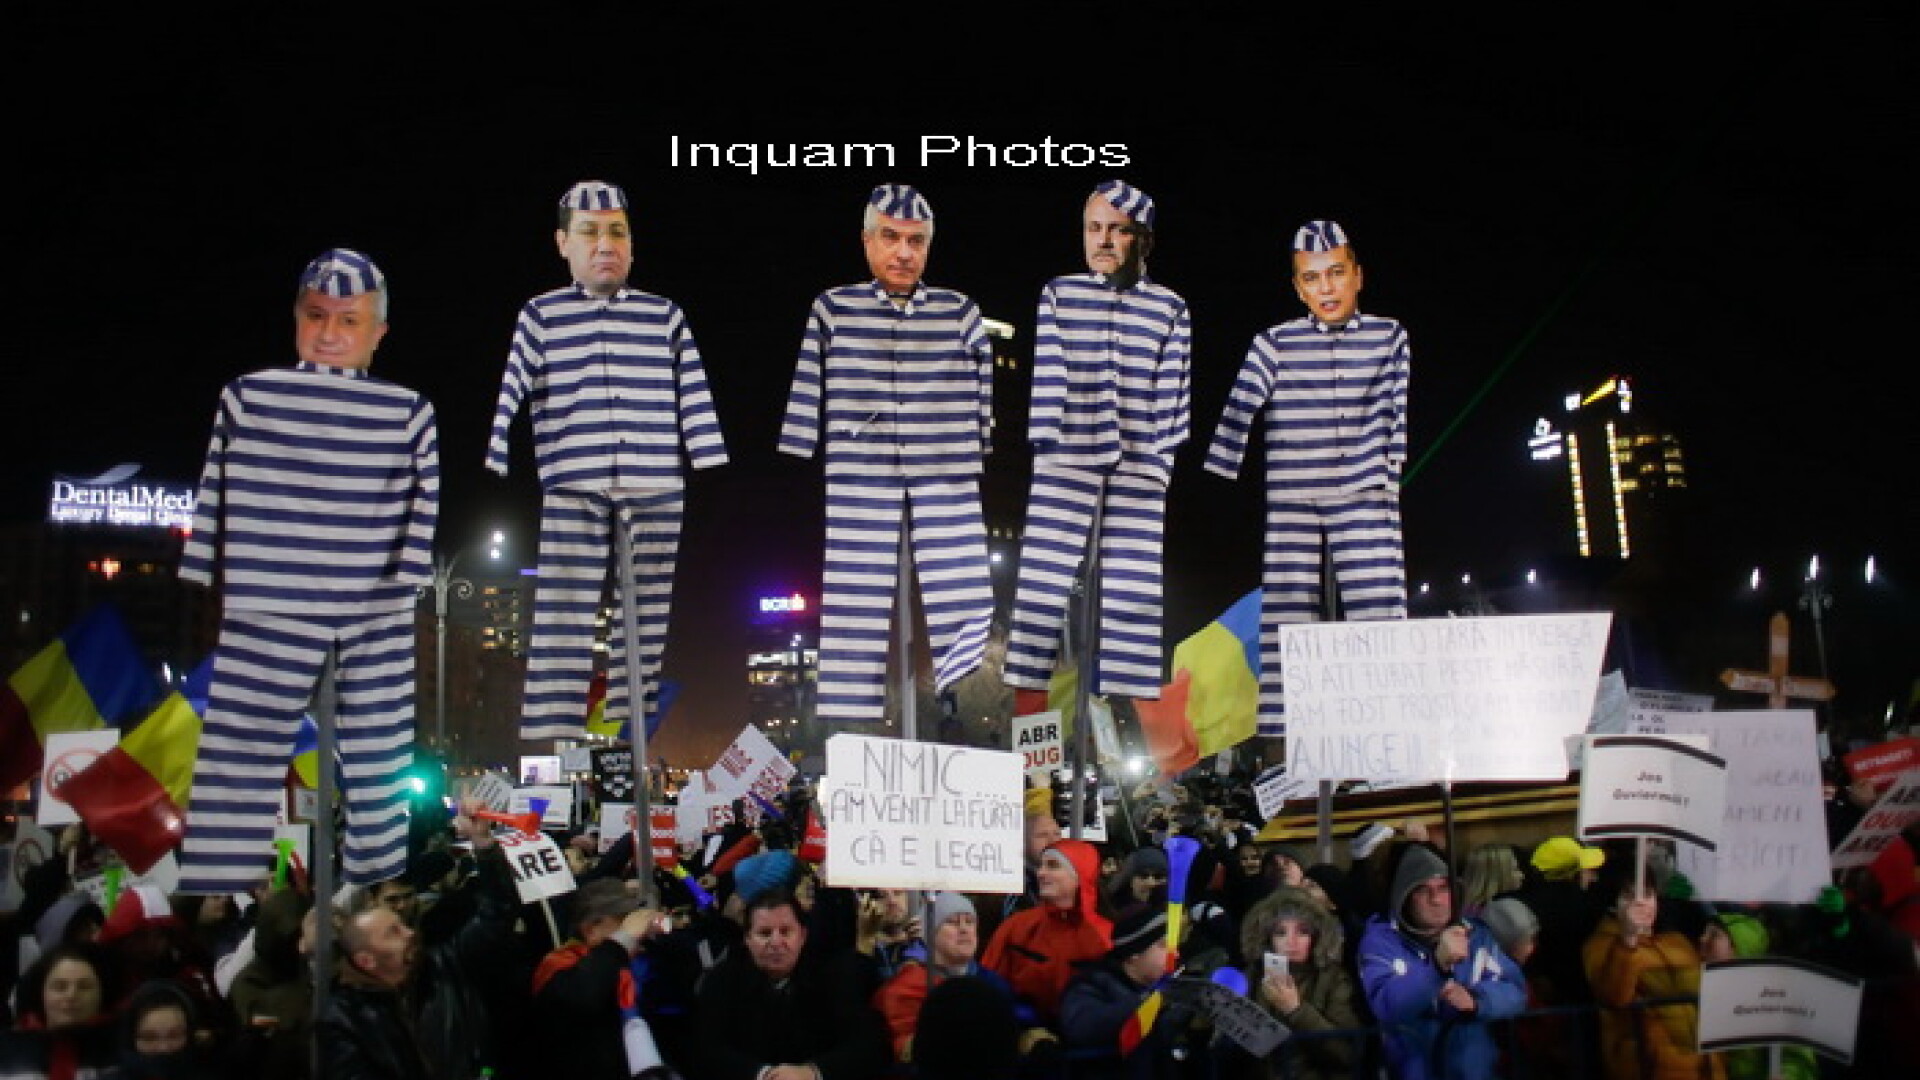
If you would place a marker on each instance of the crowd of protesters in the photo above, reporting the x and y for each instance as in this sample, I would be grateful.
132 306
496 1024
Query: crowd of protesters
1548 958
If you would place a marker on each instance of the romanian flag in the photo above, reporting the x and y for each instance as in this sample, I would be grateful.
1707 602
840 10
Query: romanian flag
1215 694
597 722
132 797
1137 1027
306 752
90 677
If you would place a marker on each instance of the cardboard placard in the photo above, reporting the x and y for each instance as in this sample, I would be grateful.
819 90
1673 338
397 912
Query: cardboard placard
1897 808
751 764
540 871
1649 785
1763 1002
68 752
1489 698
1773 841
30 846
1881 764
917 815
700 810
1272 790
492 789
1037 740
613 779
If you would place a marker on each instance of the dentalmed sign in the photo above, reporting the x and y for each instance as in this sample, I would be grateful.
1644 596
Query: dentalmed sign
114 498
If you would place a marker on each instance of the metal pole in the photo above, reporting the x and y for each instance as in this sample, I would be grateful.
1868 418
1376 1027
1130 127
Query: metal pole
1323 804
636 709
323 847
1084 660
903 635
440 661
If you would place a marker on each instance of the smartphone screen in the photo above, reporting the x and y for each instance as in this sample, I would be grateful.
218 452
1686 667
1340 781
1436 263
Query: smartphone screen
1276 964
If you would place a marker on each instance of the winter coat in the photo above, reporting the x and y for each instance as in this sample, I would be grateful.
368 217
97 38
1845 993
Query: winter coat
1655 1043
1402 981
820 1016
365 1035
899 1000
1035 949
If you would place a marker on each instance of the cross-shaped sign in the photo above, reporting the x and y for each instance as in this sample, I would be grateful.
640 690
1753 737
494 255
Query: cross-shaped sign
1775 682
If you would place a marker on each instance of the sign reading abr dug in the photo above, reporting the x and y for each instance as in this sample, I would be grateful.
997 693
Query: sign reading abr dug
914 815
1490 698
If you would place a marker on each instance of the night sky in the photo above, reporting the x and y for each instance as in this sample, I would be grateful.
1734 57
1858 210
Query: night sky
1717 206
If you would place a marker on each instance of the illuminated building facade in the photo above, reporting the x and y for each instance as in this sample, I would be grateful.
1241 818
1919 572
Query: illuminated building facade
783 669
1621 472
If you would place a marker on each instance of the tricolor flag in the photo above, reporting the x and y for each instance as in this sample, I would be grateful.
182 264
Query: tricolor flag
133 797
1212 702
1140 1024
597 722
90 677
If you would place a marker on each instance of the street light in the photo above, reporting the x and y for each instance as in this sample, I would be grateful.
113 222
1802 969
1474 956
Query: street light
444 583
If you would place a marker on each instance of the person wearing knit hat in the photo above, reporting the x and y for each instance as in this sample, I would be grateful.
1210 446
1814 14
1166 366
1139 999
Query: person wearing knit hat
894 386
1733 935
1141 879
952 940
317 555
1110 404
1331 392
1104 997
762 873
1035 950
618 397
1425 973
1514 926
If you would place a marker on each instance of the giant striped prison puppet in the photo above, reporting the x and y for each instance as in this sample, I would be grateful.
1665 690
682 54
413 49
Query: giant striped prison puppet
1331 390
618 398
315 520
896 378
1110 405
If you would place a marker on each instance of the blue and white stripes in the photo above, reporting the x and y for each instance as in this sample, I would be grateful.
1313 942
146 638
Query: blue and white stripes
594 195
616 391
905 394
900 201
1111 403
1334 403
320 494
316 516
342 273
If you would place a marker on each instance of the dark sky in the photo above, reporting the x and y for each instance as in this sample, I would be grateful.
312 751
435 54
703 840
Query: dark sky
1717 205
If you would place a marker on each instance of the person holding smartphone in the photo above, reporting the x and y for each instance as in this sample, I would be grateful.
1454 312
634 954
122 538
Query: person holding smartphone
1293 947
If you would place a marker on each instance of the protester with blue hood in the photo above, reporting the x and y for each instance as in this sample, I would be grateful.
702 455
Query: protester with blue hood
1427 974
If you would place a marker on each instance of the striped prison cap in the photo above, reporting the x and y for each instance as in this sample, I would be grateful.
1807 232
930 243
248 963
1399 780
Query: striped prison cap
1129 200
1319 236
594 195
900 201
342 272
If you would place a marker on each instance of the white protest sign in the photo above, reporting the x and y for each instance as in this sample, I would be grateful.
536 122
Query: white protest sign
617 819
1641 701
1773 843
1272 789
752 764
165 876
67 753
492 789
1490 698
303 804
31 846
1897 808
539 870
1037 739
1776 1000
1648 785
916 815
559 813
576 759
700 809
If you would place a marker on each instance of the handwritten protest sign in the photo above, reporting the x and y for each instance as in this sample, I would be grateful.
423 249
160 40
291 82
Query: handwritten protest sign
1649 785
1896 809
700 809
492 789
67 753
1773 842
616 821
540 872
1775 1000
1037 739
918 815
751 765
1490 698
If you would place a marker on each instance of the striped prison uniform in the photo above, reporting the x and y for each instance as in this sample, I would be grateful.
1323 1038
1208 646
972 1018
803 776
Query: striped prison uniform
905 393
316 514
1335 404
1110 405
616 390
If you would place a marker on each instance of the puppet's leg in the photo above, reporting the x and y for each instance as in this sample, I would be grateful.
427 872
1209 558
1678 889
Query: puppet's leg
574 556
376 728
